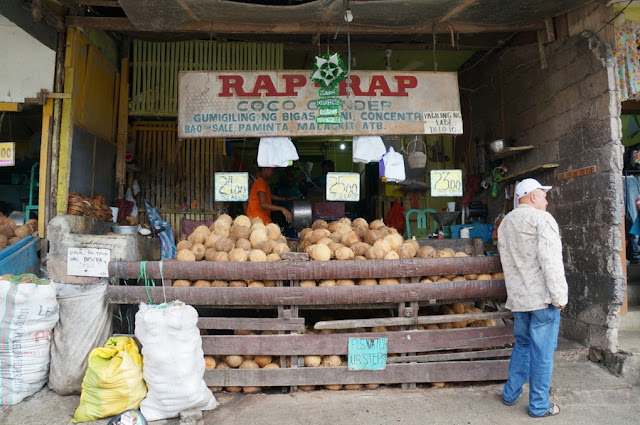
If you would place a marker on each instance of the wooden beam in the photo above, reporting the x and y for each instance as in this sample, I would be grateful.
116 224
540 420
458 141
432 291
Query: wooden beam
404 321
10 107
457 9
99 3
378 46
465 355
250 323
311 27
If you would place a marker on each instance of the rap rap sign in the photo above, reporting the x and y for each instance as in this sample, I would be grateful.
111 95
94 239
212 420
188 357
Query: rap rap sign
368 354
343 187
446 182
231 187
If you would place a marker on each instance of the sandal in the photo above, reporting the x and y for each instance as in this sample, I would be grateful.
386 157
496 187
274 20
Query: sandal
507 403
553 410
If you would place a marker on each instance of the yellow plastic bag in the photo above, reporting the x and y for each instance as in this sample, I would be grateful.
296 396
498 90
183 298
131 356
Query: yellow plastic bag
113 382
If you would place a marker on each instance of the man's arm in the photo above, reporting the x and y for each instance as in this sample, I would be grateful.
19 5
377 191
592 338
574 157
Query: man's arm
550 257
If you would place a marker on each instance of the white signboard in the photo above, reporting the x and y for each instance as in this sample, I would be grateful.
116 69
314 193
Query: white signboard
231 187
446 182
91 262
343 187
288 103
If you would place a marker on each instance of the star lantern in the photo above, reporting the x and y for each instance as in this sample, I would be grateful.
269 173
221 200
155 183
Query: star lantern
329 70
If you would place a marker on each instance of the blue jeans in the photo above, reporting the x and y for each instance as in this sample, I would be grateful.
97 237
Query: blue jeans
536 334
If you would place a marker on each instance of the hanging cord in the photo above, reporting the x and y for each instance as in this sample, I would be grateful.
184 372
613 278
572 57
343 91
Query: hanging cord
164 293
147 282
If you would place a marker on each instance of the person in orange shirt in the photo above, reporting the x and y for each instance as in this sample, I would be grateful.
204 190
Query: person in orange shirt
260 198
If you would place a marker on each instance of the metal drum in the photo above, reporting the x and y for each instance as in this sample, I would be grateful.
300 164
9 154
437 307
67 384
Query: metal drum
302 216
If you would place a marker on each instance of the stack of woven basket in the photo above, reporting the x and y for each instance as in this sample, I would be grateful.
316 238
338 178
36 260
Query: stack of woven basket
96 207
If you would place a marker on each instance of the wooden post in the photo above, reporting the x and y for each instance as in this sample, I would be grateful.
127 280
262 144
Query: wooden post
123 127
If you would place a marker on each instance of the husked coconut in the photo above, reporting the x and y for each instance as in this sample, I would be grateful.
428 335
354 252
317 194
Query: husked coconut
413 243
471 276
345 220
304 232
353 387
312 361
273 231
184 245
262 361
333 387
209 363
257 236
325 241
269 283
350 238
309 249
251 390
497 276
181 283
319 224
367 282
426 280
345 282
224 218
359 248
242 220
361 231
321 252
359 222
266 246
203 229
484 276
374 253
458 279
459 308
307 283
306 387
371 386
395 240
273 257
318 234
198 250
461 254
219 283
391 255
434 278
360 257
256 220
218 256
271 366
373 236
233 389
334 246
443 279
376 224
224 244
389 281
445 253
249 364
238 255
240 232
197 237
202 284
243 243
427 252
331 361
255 284
257 256
237 284
403 252
233 361
185 255
344 253
327 283
258 225
379 329
279 248
211 241
222 230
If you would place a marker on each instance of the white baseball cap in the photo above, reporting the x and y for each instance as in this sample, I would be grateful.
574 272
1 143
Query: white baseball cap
527 186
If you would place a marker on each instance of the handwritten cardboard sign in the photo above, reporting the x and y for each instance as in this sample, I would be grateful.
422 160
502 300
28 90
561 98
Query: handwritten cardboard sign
343 187
231 187
91 262
368 354
446 182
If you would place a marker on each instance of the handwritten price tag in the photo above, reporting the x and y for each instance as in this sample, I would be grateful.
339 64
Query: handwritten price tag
91 262
343 187
7 154
231 187
446 182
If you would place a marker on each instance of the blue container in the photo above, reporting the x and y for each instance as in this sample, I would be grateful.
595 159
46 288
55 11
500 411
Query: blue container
20 258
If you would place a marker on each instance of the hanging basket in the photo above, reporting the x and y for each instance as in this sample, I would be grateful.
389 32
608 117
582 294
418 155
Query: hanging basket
416 158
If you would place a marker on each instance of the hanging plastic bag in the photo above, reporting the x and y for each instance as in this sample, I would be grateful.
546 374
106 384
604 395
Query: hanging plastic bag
28 313
173 360
276 152
368 149
395 217
393 166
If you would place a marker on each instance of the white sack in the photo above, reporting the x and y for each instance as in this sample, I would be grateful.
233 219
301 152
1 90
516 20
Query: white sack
173 360
368 149
84 324
276 152
393 166
28 313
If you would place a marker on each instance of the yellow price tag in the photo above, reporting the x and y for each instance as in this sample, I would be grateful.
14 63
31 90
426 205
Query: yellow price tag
343 187
7 154
231 187
446 182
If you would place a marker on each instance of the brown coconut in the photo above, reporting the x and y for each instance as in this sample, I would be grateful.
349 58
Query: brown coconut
445 253
224 218
367 282
312 361
345 282
240 232
391 255
273 231
242 220
266 246
331 361
327 283
350 238
256 220
185 255
209 363
219 283
257 256
344 253
234 361
318 234
197 237
217 256
243 244
321 252
484 276
224 244
257 236
373 236
181 283
361 231
307 283
304 232
427 252
375 224
389 281
202 284
319 224
211 241
237 284
374 253
184 245
273 257
359 248
223 230
203 229
359 222
198 251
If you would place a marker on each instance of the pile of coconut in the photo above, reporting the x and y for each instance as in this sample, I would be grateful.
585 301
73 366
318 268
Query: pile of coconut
242 239
358 240
225 283
11 233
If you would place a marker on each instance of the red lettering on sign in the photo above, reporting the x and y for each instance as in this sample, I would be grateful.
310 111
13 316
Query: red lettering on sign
405 82
379 83
231 82
263 82
292 82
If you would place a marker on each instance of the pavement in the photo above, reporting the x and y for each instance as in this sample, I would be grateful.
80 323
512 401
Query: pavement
586 393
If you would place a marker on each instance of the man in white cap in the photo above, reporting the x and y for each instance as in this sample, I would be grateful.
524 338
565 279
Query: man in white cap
531 256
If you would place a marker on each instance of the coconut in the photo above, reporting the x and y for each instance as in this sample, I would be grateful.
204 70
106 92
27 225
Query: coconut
237 284
256 220
361 231
262 361
471 276
359 222
181 283
331 361
219 283
319 224
238 255
434 278
22 231
240 232
273 231
202 284
269 283
224 218
374 253
403 252
271 366
309 249
224 244
279 248
197 237
251 390
443 279
497 276
327 283
234 361
321 252
312 361
427 252
379 329
233 389
184 245
257 256
445 253
211 241
458 279
304 232
257 236
318 234
350 238
413 243
373 236
460 254
389 281
391 255
345 282
395 240
203 229
217 256
258 225
307 283
255 284
484 276
273 257
367 282
426 280
266 246
306 387
223 230
353 387
359 248
333 387
243 244
375 224
371 386
344 253
242 220
198 250
209 363
185 255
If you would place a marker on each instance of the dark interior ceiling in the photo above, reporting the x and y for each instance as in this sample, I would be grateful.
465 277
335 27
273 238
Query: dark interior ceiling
303 24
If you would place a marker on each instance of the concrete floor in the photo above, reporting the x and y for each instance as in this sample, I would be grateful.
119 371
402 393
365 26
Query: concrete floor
587 394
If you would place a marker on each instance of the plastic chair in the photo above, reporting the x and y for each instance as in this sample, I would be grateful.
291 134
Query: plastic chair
34 185
421 222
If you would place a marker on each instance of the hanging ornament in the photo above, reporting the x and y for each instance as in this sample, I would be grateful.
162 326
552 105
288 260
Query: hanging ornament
329 70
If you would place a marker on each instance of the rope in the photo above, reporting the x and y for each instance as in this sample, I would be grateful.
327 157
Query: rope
143 275
164 293
27 278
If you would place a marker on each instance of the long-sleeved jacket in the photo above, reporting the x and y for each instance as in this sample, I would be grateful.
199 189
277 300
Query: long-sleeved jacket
531 256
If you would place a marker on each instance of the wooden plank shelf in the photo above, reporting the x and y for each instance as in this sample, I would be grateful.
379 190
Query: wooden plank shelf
533 170
512 151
